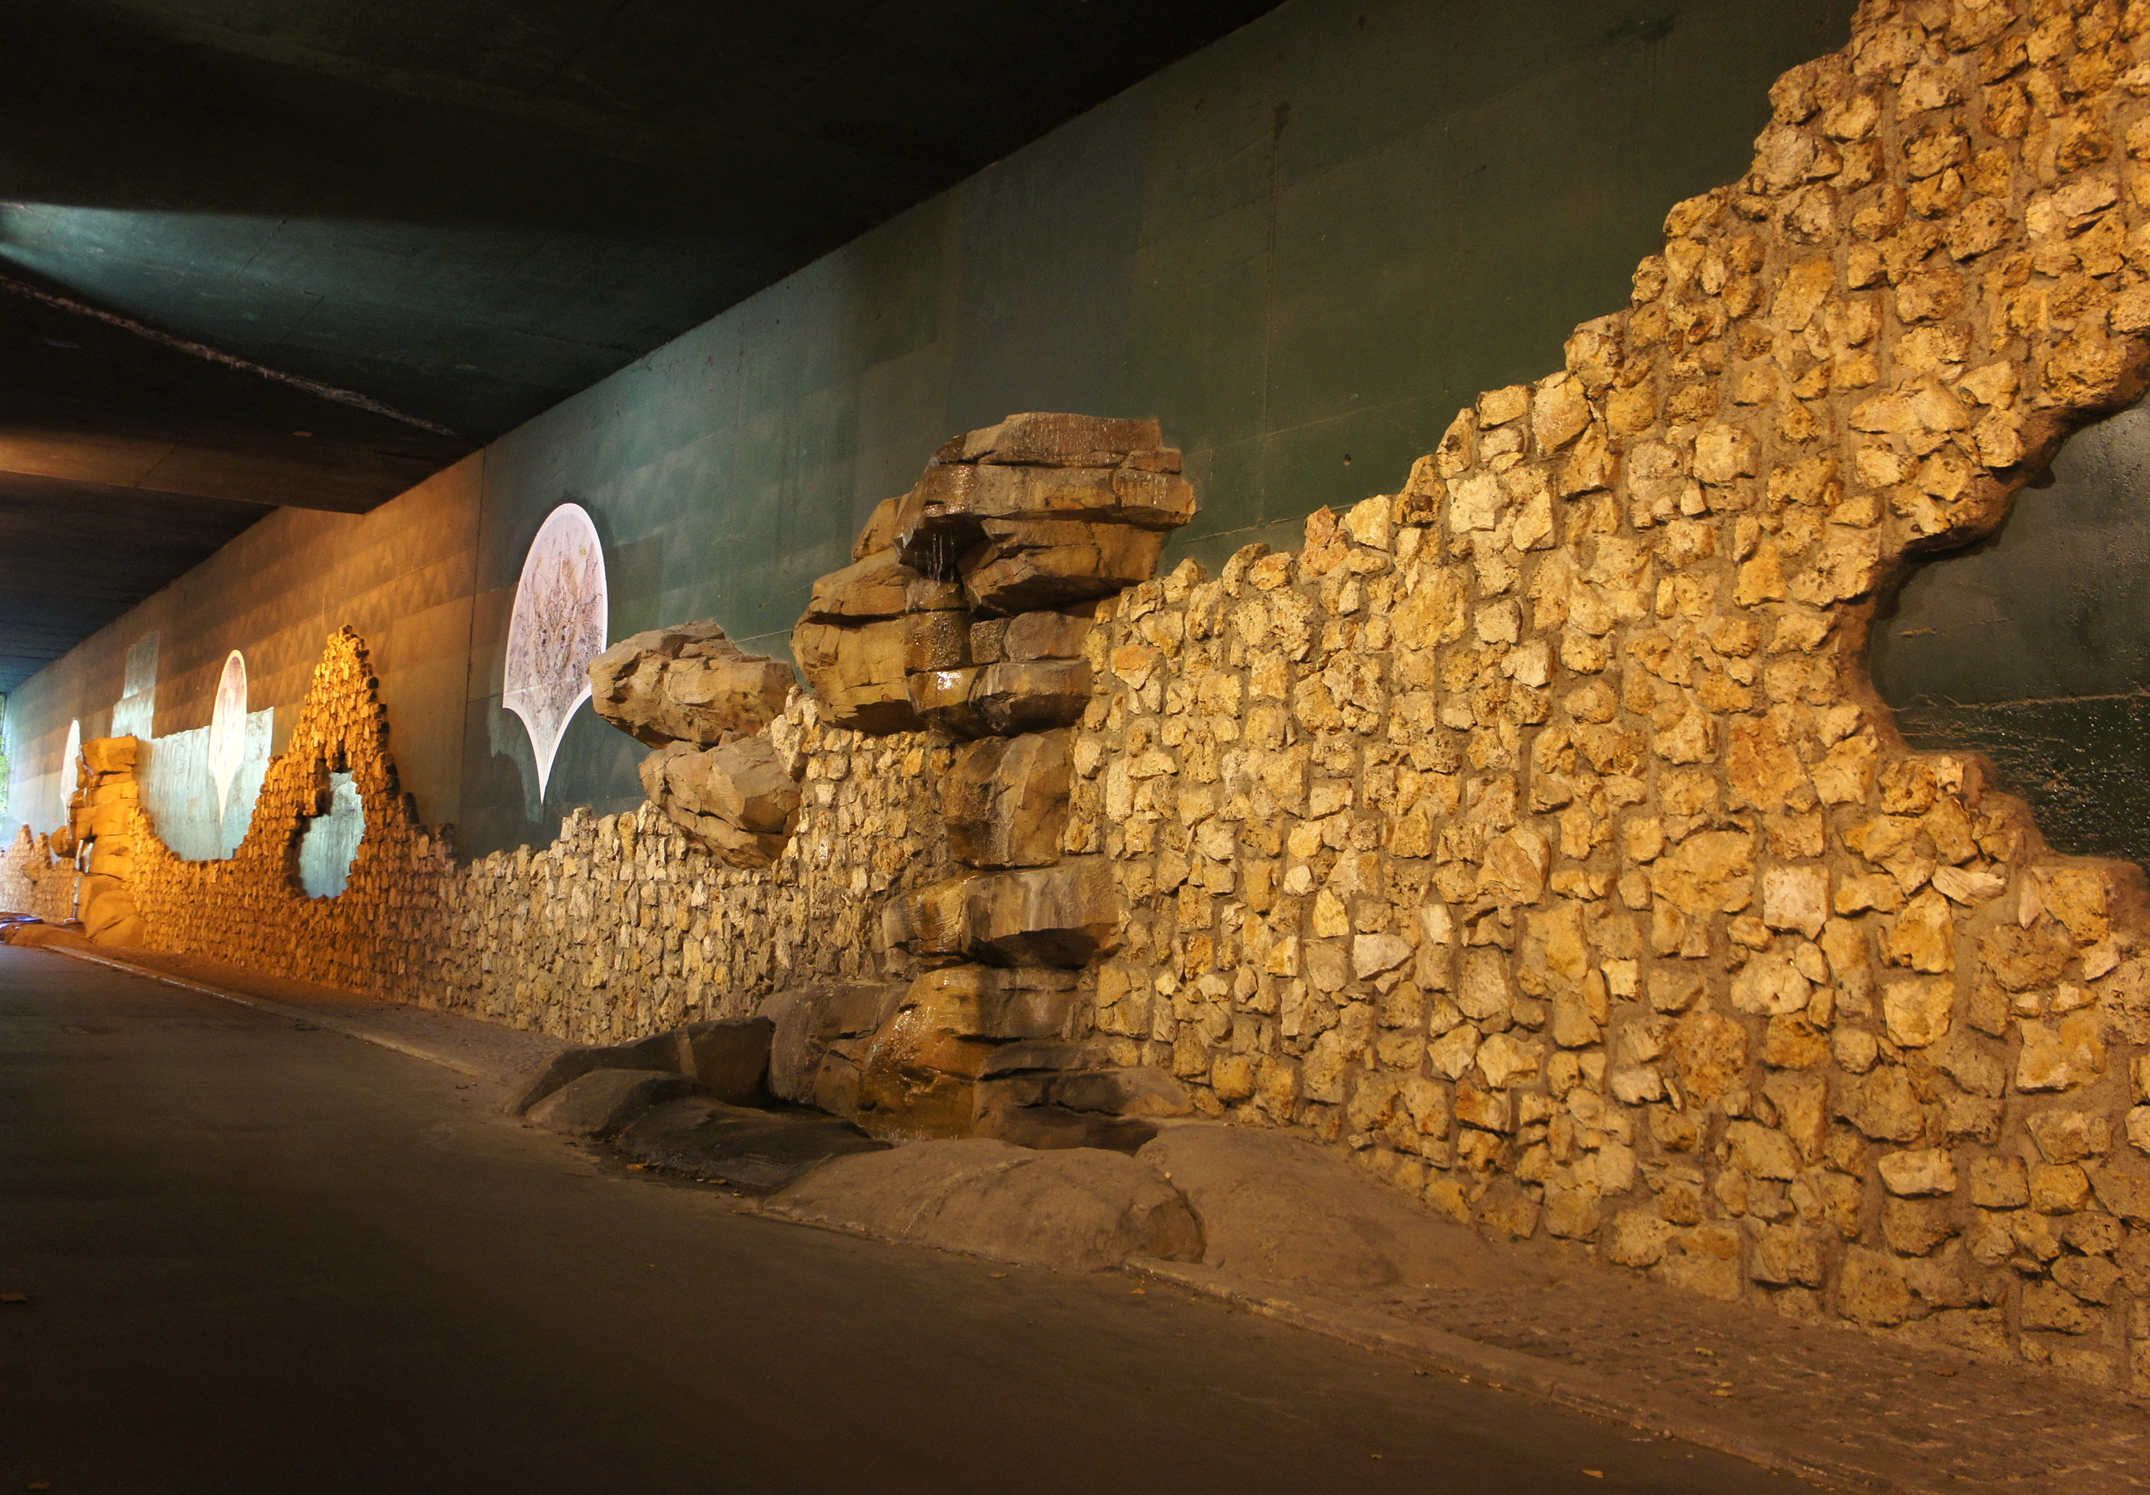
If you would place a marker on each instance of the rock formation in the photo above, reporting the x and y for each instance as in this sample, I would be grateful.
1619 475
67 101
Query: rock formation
102 821
966 611
705 705
686 683
1532 832
740 799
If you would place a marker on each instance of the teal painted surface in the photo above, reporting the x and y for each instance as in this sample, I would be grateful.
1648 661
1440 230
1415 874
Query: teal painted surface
1303 248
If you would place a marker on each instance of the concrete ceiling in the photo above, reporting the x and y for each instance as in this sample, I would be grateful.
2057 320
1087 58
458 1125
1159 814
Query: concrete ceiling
255 253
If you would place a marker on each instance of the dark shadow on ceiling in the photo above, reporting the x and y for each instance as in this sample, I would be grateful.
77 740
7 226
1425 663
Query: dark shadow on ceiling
583 182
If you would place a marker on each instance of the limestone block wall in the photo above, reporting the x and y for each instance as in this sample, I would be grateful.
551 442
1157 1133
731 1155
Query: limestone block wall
621 927
1535 833
34 881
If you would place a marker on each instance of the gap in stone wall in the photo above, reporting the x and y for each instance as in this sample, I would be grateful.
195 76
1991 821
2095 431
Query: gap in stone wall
2032 646
329 843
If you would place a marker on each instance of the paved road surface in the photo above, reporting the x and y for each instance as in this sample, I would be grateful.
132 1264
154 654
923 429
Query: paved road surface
265 1257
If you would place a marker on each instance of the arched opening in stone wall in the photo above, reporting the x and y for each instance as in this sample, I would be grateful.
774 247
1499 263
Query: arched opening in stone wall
2033 645
328 841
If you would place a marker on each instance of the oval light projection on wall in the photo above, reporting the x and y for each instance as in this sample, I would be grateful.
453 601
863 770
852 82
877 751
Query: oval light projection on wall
70 767
556 629
227 729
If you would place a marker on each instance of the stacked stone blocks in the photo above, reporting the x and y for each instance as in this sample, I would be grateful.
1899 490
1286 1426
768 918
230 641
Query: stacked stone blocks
965 612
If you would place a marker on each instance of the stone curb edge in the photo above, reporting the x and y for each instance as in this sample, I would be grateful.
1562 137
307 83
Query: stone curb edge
1454 1354
1524 1375
297 1014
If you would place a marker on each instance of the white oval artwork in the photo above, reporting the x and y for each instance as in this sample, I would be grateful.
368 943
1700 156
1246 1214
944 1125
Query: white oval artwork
70 768
556 629
227 728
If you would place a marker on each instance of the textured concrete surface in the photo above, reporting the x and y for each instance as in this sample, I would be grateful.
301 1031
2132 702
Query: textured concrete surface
259 1256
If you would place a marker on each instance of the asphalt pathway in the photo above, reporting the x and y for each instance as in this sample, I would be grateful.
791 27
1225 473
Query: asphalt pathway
239 1252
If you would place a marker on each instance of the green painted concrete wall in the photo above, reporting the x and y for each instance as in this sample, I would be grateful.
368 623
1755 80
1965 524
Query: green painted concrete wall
1302 249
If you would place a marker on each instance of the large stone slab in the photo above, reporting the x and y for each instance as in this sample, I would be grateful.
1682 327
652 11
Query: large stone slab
1078 1210
727 1058
917 1078
687 683
1021 564
876 587
1056 1093
859 674
1046 634
1277 1208
1002 699
1067 915
752 1150
1006 803
739 799
997 1002
1035 695
1059 438
951 501
1064 915
600 1103
810 1027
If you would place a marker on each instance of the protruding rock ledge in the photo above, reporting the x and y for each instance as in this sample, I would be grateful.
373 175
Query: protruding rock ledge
1065 915
930 625
687 683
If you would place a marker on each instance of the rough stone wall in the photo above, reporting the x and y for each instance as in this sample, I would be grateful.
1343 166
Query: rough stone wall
622 926
33 881
1536 833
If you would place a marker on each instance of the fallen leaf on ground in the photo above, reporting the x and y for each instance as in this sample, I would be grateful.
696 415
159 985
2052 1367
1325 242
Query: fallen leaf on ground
14 1297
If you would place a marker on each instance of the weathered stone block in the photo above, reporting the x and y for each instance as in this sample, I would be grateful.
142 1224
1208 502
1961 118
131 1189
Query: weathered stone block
807 1021
739 799
1020 564
996 1003
1045 634
1052 438
1007 801
688 683
600 1102
1030 696
930 922
728 1059
877 587
1063 915
952 504
858 674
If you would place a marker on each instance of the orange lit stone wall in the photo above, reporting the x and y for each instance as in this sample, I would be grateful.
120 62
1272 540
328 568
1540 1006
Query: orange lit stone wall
1535 833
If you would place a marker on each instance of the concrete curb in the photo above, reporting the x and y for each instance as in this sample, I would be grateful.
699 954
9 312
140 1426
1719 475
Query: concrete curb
1526 1375
311 1016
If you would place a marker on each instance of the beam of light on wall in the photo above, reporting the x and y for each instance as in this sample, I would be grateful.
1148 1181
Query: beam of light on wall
227 729
556 628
